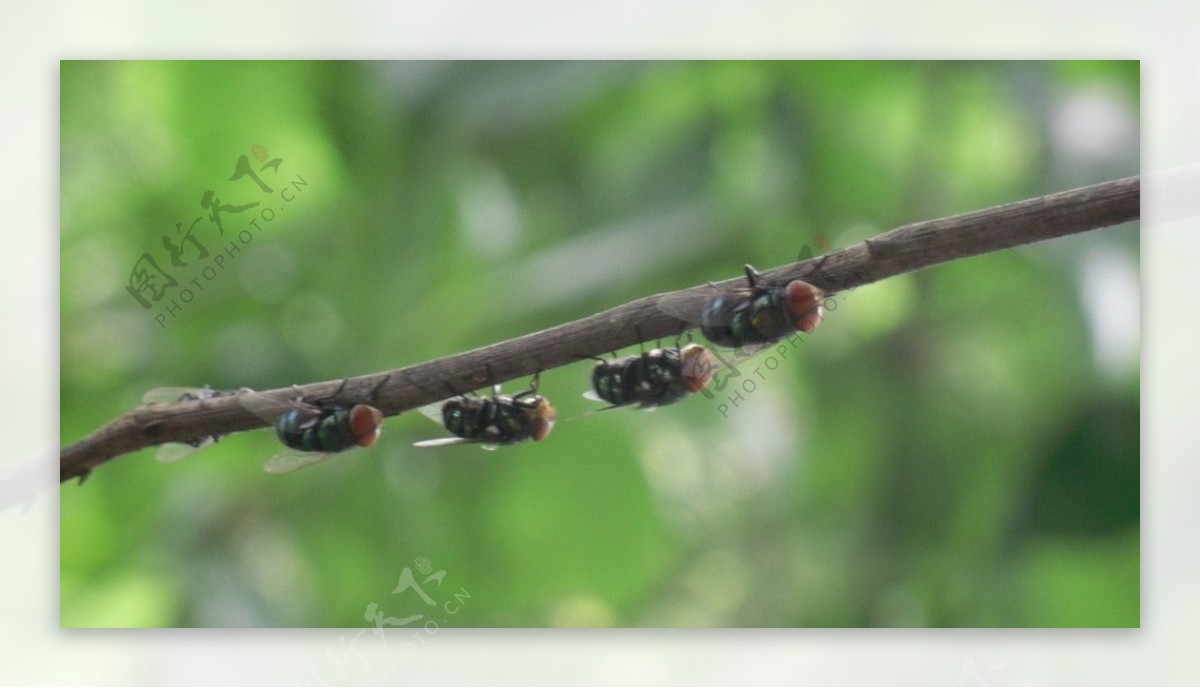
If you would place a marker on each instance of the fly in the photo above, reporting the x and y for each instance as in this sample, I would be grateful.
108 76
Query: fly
315 432
493 421
754 317
651 379
178 451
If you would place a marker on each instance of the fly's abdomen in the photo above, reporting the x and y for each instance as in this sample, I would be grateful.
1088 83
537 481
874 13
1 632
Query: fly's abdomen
328 433
332 433
718 322
291 429
608 379
484 420
511 424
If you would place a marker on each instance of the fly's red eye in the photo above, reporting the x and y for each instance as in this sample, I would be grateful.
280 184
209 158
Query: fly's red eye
805 303
543 421
698 367
368 439
364 424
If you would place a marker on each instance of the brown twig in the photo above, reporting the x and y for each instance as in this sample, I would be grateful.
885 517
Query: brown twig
905 249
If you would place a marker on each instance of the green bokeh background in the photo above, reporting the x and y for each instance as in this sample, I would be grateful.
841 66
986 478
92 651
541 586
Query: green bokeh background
955 447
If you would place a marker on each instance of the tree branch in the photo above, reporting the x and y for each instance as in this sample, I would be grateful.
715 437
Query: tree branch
904 249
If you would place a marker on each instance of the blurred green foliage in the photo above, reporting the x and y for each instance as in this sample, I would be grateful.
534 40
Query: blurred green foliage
956 447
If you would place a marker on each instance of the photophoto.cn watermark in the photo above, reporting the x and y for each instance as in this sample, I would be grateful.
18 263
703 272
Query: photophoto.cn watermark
426 604
186 264
730 364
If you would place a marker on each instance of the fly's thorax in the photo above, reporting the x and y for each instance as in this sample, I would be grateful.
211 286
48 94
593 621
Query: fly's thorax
501 420
768 317
665 362
661 372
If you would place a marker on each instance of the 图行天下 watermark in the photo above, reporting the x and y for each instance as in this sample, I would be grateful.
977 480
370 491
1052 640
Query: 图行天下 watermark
729 365
431 605
192 264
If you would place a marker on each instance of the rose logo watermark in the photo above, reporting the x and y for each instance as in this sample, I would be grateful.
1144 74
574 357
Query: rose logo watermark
434 602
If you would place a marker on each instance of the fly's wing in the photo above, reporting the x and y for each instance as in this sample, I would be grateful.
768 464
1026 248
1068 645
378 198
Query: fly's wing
173 395
591 395
688 305
443 442
292 459
729 363
178 451
450 441
270 407
433 411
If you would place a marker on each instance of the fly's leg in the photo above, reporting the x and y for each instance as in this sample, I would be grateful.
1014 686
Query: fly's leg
376 388
533 386
643 363
751 275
